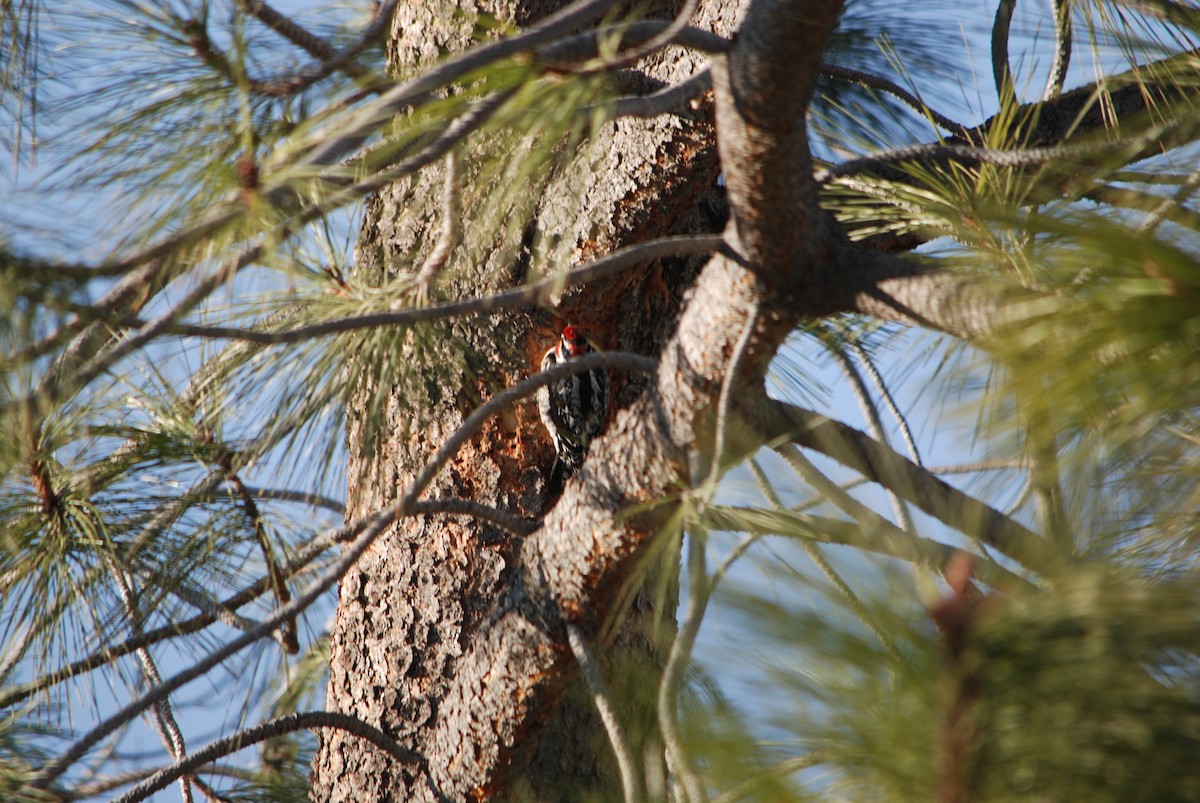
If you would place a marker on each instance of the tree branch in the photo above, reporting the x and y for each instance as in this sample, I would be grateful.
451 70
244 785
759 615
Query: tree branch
779 421
900 93
870 413
699 589
164 717
261 732
286 27
812 548
1073 119
762 88
1062 52
466 507
107 655
591 673
533 293
299 497
333 60
968 155
1001 71
912 292
889 402
668 99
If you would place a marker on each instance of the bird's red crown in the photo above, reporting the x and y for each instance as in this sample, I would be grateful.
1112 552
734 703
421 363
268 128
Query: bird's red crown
574 340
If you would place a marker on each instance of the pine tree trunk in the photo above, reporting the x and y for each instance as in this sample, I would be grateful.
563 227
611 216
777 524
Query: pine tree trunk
410 607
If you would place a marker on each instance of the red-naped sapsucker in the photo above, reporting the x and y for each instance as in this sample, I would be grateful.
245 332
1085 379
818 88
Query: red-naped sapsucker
573 409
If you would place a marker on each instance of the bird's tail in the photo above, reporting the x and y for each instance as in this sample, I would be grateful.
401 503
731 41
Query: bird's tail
558 475
554 485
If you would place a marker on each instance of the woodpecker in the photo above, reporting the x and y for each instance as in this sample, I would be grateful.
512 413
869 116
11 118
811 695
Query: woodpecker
573 409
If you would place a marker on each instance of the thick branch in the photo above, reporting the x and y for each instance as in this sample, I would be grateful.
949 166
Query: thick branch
931 494
763 88
912 292
890 540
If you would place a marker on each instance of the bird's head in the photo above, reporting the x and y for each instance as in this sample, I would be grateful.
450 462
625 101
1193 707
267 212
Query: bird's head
574 344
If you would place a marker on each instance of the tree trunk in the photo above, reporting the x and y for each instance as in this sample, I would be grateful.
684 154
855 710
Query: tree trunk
410 608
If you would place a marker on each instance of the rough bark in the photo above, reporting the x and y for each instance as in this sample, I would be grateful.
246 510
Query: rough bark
412 607
588 542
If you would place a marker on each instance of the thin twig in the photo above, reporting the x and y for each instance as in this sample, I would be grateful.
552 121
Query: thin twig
53 386
103 786
591 673
533 293
724 403
332 149
968 155
467 507
930 493
288 637
668 99
912 101
979 466
164 718
870 413
527 386
399 99
289 29
471 120
819 560
657 42
747 541
209 792
395 100
891 542
1146 202
16 652
814 551
369 528
889 402
1001 71
212 613
562 55
268 730
338 60
676 669
1022 498
1167 206
209 605
223 610
447 236
867 517
300 497
1175 13
165 516
1062 51
468 122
